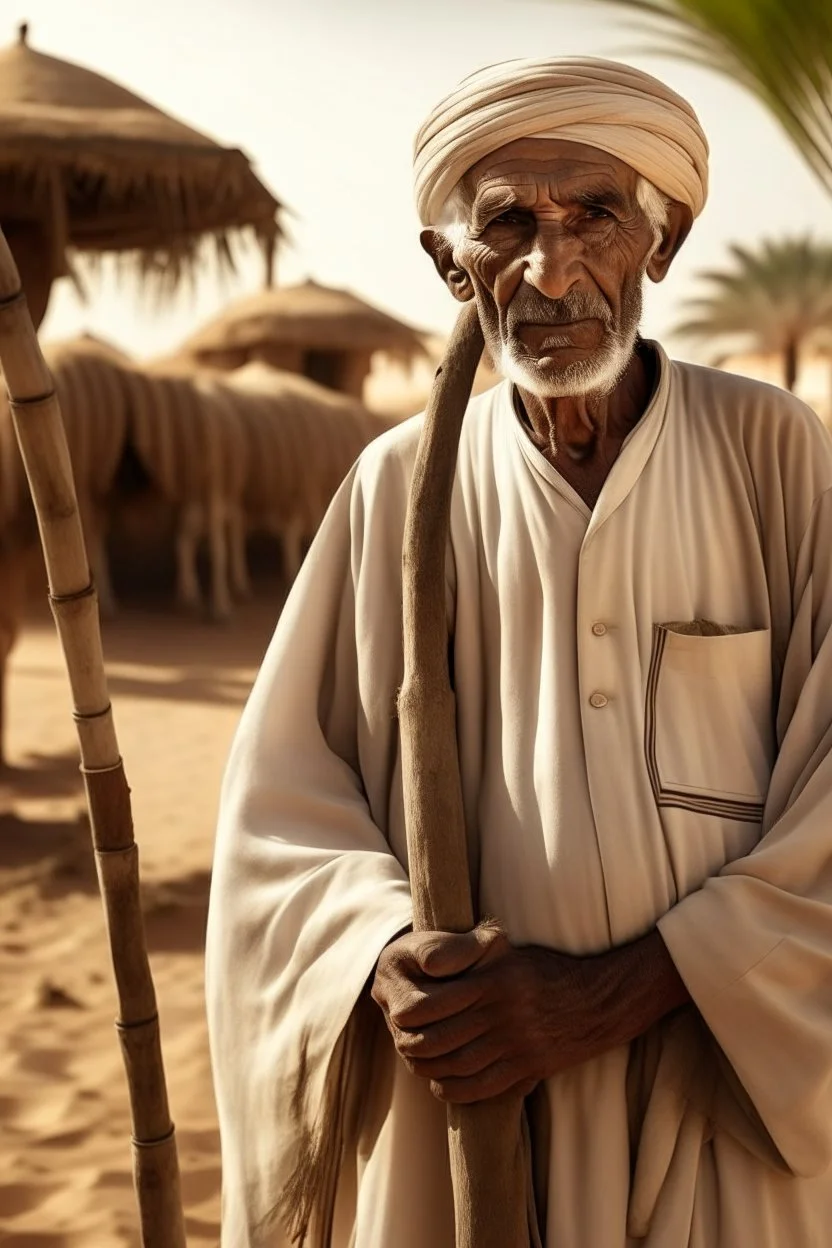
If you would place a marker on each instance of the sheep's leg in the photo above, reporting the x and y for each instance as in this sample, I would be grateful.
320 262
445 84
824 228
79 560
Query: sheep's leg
188 532
3 673
291 540
100 568
218 546
93 524
13 569
237 558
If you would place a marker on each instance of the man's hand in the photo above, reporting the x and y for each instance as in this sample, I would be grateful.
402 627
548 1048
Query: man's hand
477 1017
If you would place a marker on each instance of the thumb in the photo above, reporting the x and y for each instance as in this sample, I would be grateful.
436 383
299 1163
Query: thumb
450 953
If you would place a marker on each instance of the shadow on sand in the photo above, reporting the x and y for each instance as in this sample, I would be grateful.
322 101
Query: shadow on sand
176 913
53 854
177 657
146 636
56 856
194 685
41 776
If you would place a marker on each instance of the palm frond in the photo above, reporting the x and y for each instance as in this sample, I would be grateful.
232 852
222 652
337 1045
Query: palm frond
771 299
780 50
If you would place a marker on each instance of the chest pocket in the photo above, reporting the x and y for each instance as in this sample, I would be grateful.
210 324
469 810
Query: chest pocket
709 721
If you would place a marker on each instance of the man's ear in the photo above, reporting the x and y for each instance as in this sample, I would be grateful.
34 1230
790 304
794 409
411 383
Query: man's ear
679 222
439 248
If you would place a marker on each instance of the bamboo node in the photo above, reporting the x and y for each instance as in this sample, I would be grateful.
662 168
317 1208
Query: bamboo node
81 717
33 400
75 596
110 853
142 1022
163 1139
99 771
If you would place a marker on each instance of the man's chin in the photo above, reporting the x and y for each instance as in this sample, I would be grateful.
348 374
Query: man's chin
568 372
548 376
550 369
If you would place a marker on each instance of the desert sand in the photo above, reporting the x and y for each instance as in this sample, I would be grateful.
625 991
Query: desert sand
177 687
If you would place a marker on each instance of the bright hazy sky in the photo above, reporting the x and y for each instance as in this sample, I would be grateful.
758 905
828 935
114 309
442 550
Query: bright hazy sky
325 97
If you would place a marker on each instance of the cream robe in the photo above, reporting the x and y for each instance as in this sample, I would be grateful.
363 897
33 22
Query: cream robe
695 792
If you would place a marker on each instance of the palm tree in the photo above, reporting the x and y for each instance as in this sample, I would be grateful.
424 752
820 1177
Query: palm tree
776 299
781 50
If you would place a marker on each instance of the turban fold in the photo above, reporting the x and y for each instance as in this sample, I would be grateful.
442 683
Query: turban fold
614 107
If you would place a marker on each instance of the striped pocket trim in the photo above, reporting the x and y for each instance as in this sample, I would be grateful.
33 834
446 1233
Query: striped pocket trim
698 803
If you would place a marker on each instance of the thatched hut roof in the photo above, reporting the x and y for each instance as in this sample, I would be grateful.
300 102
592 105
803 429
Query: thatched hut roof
86 343
109 172
261 378
307 315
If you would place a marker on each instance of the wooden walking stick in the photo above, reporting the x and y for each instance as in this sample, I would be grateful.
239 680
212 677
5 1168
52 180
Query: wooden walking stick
489 1151
40 434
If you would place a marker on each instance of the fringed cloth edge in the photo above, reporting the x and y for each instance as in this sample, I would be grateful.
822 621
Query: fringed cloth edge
305 1208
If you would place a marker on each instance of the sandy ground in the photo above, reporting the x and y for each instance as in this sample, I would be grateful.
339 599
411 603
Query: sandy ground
177 688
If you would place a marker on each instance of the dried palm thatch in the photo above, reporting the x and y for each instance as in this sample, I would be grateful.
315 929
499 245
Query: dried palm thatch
306 316
88 344
97 169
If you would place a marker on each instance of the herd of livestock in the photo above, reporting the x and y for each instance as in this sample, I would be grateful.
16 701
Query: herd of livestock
233 454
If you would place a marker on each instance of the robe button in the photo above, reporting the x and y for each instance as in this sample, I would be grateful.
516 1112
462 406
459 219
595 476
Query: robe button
599 629
598 700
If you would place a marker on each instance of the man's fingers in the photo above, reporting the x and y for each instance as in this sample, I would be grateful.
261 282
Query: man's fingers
437 1039
416 1007
470 1059
493 1081
441 954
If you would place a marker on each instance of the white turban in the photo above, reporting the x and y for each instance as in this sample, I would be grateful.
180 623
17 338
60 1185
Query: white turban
604 104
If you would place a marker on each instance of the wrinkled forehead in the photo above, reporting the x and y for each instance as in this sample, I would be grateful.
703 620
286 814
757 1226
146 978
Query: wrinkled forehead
540 161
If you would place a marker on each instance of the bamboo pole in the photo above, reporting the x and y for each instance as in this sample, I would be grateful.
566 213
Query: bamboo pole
72 596
489 1151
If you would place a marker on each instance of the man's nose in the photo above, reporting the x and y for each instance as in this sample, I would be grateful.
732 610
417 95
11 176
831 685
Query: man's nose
552 266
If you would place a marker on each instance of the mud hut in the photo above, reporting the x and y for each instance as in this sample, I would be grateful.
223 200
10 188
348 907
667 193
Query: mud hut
329 336
89 168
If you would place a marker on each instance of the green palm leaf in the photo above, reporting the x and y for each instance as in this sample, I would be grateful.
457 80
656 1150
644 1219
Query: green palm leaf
781 50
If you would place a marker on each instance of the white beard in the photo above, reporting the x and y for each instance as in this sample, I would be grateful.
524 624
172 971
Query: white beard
599 373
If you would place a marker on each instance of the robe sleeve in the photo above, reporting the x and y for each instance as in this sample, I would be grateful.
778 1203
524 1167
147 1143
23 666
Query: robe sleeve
306 890
754 944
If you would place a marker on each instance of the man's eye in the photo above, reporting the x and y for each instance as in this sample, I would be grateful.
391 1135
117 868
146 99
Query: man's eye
597 213
512 216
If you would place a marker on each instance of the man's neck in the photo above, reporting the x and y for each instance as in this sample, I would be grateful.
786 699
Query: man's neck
582 437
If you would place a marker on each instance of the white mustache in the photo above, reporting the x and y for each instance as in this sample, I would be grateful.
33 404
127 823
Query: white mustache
554 312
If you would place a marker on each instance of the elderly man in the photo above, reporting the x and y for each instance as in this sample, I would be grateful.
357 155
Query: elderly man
639 611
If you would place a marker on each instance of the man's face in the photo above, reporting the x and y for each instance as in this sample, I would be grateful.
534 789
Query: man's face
555 244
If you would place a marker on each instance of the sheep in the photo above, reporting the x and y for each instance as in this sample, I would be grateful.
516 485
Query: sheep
93 398
92 383
189 447
304 439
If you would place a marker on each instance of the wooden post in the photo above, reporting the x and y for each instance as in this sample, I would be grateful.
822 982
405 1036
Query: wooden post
489 1150
40 433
